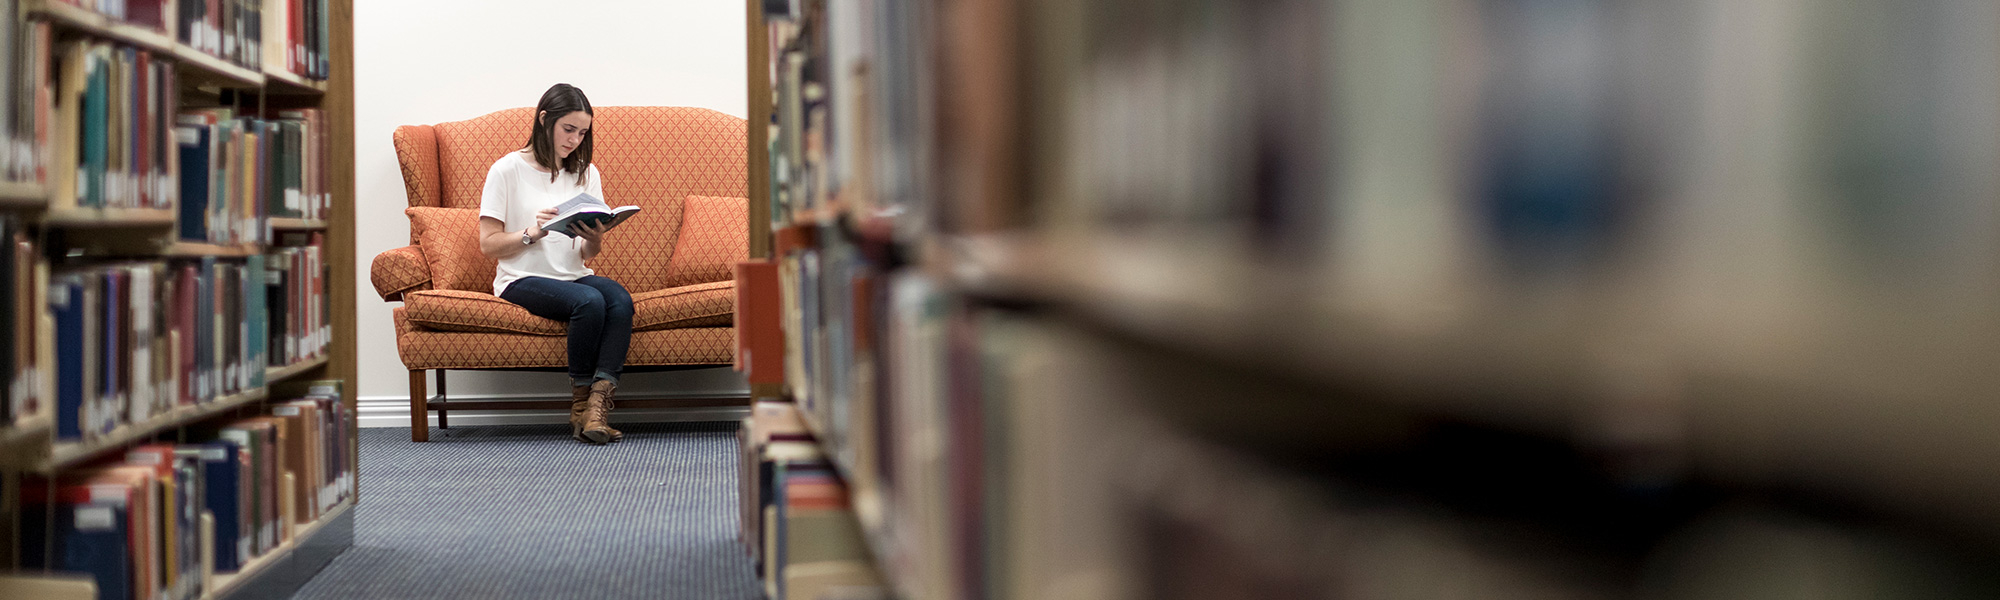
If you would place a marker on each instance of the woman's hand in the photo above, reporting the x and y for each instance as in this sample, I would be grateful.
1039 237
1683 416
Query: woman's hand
592 232
542 218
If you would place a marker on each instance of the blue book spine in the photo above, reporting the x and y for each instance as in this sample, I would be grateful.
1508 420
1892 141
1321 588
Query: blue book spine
94 539
194 185
109 355
221 484
66 305
91 539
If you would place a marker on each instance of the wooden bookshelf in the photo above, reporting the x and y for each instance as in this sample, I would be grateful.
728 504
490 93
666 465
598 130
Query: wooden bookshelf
207 80
288 224
21 194
86 218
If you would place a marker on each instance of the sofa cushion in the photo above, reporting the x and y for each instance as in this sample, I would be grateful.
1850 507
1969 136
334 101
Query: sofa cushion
715 235
425 349
700 305
475 312
449 238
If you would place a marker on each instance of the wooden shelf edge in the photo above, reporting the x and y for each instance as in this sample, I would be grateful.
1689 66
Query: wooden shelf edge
109 217
226 583
292 82
273 375
33 431
286 224
214 65
70 454
199 249
23 193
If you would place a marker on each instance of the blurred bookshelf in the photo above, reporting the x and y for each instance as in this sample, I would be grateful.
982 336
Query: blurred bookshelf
287 224
1319 298
164 329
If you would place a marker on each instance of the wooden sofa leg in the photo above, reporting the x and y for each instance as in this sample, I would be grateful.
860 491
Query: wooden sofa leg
420 422
442 423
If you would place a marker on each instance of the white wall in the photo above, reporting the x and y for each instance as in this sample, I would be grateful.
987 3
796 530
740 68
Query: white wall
426 61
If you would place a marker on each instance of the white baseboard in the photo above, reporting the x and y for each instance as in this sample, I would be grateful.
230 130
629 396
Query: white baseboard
394 411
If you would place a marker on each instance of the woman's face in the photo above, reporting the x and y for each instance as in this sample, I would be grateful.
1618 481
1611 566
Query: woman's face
569 132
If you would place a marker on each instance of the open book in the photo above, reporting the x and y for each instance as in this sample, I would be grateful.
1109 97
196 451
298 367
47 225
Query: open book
586 209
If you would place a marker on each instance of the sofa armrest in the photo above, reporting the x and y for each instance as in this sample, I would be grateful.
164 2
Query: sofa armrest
400 270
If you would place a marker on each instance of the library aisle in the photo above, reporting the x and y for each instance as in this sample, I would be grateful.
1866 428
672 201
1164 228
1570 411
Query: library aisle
515 511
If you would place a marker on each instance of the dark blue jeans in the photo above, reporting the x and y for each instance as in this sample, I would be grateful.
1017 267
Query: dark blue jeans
599 312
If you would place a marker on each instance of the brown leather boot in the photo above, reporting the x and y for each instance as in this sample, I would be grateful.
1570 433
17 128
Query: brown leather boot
579 410
596 425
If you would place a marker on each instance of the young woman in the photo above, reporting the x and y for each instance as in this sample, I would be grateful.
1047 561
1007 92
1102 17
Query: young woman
543 270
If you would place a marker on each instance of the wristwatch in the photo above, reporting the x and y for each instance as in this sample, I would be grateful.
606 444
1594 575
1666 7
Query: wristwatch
527 240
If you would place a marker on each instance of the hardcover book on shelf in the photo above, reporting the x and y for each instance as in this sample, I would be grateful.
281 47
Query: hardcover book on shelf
225 490
92 535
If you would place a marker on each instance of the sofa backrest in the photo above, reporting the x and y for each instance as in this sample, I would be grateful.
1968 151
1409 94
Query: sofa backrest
652 156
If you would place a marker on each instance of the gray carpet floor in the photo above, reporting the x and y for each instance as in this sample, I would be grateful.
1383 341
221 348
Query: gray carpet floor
525 512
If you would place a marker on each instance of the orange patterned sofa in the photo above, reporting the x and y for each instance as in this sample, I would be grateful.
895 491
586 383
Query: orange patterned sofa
686 166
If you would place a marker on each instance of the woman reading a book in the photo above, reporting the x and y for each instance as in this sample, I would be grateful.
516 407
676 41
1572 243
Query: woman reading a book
542 270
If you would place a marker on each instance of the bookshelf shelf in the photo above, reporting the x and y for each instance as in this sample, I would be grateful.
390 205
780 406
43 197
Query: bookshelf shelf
25 435
109 217
195 250
206 70
277 374
286 82
286 224
228 583
65 455
21 194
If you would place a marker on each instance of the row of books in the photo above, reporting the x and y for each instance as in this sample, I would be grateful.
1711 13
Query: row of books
135 525
259 34
798 524
136 340
255 170
301 322
290 34
115 104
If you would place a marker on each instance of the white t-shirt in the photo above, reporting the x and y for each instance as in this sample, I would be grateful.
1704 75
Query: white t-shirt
515 191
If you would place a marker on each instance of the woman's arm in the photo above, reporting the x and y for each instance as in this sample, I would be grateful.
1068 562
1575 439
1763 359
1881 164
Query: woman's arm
497 243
